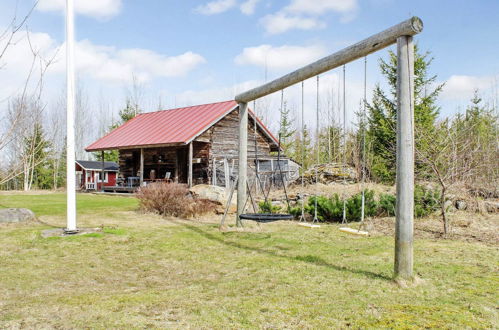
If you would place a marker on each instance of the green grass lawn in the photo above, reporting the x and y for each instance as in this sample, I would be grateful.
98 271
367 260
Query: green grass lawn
55 204
145 271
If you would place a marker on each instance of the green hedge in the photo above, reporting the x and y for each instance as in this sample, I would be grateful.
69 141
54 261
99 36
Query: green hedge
426 201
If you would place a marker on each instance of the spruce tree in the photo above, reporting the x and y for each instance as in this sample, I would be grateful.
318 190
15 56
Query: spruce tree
36 152
382 115
302 148
286 130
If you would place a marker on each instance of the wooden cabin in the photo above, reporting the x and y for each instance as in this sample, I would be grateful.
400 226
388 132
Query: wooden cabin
193 145
89 174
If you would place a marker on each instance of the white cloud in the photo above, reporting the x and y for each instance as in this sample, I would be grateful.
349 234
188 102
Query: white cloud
119 65
282 22
154 64
248 7
319 7
461 87
94 8
280 58
103 64
216 7
305 15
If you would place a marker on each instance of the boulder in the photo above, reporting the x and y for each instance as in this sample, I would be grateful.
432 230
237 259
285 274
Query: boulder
460 205
16 215
215 194
212 193
449 205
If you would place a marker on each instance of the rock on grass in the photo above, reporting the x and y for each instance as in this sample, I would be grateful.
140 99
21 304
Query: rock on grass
16 215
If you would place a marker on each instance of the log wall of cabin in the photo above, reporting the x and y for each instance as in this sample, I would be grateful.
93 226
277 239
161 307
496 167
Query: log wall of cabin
224 139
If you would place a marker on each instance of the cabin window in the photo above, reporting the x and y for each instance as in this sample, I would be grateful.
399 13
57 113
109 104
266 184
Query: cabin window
271 165
283 164
265 165
106 177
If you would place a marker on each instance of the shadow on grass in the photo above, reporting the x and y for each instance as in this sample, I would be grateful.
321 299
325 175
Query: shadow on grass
307 258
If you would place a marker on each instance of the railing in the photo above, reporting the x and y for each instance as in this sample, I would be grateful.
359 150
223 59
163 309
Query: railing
91 186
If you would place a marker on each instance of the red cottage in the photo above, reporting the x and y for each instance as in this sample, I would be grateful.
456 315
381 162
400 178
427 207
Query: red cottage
88 174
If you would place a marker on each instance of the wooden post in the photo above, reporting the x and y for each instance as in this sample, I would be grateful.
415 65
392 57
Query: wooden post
243 159
214 172
141 166
102 170
177 166
405 159
227 174
189 174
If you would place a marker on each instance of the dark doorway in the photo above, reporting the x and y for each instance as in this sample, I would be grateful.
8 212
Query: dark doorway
181 174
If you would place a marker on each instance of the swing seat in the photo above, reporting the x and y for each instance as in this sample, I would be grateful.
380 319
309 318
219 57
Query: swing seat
265 217
354 231
309 225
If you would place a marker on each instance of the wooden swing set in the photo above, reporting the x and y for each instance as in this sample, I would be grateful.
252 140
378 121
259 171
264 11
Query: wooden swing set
401 34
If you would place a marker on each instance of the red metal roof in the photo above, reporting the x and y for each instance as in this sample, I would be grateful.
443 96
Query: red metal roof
176 126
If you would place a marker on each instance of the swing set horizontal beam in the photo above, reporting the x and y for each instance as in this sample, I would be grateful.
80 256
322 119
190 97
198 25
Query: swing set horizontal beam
365 47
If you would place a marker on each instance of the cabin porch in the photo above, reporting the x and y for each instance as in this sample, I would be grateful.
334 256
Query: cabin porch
187 164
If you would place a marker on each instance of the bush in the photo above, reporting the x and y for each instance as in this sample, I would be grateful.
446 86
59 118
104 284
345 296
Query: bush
354 206
331 209
426 201
296 211
386 205
267 207
172 199
328 209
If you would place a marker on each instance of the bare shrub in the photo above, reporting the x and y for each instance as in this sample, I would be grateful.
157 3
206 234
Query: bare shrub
172 199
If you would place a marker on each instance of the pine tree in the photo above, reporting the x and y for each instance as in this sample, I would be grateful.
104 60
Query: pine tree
287 130
382 115
303 149
129 112
35 158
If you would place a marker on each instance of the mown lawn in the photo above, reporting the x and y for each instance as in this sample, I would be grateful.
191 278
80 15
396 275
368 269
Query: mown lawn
145 271
55 204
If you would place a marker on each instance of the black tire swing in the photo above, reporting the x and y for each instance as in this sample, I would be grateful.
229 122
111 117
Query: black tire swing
265 217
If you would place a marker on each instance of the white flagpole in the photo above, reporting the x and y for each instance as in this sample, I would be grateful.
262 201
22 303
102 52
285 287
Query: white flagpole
70 129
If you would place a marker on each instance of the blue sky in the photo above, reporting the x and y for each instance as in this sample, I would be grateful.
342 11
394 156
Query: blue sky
189 52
